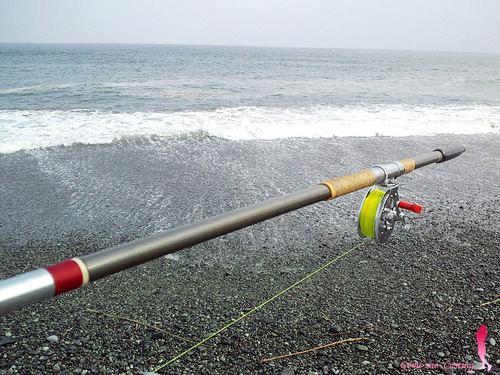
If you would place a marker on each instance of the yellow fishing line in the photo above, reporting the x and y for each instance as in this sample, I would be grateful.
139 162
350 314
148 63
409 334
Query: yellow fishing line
258 307
368 212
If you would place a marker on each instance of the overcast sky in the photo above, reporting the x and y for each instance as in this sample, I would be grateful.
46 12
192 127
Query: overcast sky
449 25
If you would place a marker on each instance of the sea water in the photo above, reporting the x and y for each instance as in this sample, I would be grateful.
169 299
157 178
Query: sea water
64 95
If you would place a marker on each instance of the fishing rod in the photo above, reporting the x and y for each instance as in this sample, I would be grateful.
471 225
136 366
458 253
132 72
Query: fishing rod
379 212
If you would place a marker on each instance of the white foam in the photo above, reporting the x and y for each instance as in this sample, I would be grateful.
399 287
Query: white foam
25 130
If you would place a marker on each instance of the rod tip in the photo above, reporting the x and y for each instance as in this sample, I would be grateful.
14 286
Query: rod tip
451 152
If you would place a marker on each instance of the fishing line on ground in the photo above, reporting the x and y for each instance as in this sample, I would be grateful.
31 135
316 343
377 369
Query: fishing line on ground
258 307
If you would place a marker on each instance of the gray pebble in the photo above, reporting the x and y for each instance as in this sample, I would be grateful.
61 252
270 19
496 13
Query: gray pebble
7 340
362 348
288 371
158 335
440 354
335 329
53 338
366 363
477 365
492 341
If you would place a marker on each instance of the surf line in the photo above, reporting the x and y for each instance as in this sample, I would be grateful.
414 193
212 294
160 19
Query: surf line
258 307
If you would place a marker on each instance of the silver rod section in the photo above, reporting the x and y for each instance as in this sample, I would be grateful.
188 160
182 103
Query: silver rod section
120 257
23 290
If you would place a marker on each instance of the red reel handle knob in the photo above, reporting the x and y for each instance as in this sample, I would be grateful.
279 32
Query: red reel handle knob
410 206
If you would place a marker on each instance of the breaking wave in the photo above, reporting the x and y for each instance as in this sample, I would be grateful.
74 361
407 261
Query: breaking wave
26 130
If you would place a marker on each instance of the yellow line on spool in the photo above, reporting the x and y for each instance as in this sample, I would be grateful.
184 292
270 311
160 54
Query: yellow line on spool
368 212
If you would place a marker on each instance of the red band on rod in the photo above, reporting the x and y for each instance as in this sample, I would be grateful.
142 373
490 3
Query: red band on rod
67 276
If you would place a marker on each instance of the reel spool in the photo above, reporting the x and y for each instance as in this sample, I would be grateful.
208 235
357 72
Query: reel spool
380 211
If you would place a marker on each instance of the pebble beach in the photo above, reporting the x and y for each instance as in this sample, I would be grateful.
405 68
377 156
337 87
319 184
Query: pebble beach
412 305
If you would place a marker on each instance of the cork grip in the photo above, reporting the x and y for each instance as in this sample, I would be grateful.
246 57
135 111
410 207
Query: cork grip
409 165
348 184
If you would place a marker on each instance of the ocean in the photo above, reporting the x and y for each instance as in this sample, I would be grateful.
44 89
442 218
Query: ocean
64 95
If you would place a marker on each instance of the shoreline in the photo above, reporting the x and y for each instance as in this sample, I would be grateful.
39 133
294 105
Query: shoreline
421 292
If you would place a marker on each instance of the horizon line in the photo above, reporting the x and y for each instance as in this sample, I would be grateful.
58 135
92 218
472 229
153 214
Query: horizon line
254 46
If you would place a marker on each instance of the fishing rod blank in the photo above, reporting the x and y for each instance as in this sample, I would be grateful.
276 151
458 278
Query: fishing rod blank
35 286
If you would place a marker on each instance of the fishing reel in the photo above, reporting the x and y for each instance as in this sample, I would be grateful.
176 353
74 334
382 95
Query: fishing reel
381 210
